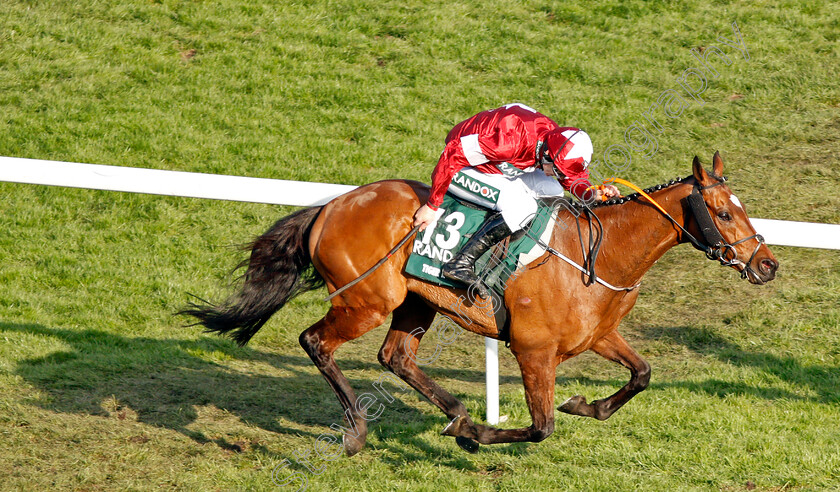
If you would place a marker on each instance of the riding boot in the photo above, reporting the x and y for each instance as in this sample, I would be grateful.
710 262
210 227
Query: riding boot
462 266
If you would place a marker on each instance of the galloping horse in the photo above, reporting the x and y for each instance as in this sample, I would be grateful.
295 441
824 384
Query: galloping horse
554 314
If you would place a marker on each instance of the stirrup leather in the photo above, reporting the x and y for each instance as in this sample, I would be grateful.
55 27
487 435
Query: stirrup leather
462 267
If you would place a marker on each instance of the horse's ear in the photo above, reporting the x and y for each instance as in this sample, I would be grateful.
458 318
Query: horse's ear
699 173
717 162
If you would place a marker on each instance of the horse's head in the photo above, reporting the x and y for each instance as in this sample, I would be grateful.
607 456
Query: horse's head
719 218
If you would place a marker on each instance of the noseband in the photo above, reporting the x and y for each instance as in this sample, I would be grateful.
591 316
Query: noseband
716 247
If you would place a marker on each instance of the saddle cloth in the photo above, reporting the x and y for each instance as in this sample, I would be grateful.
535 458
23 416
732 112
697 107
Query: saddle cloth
441 240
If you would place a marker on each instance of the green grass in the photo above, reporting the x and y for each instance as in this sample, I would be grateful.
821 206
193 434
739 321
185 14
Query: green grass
104 389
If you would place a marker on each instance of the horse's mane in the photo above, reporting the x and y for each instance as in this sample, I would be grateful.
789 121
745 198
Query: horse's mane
625 199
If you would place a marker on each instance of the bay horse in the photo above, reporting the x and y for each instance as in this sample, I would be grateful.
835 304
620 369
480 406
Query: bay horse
553 313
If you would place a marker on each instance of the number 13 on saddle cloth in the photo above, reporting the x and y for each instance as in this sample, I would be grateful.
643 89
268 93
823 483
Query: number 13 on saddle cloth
456 222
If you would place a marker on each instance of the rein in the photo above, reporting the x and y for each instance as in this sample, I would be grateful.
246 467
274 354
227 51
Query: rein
584 270
716 247
374 267
594 244
588 267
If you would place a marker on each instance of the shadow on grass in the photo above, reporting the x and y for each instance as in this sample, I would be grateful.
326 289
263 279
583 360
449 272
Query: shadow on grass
823 381
164 380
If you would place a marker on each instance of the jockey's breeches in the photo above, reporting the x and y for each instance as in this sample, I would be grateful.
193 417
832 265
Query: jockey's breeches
515 197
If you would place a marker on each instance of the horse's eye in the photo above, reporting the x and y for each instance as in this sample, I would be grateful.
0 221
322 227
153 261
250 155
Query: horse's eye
724 216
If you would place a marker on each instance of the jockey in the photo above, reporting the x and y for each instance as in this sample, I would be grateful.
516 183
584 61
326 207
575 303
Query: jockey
504 159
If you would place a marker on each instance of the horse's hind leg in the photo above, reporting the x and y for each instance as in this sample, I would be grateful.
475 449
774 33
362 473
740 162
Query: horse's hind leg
399 349
612 347
320 341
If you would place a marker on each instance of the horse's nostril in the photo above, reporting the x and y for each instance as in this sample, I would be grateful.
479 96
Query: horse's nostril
768 265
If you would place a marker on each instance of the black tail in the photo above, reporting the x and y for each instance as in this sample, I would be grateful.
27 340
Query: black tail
279 269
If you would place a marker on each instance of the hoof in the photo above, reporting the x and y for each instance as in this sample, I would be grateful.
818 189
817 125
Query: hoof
467 444
454 427
351 445
572 405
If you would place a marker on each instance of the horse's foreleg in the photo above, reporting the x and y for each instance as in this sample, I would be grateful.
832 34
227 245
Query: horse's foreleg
538 369
612 347
320 341
398 354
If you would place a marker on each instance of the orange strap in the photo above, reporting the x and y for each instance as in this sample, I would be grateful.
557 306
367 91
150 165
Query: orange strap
632 187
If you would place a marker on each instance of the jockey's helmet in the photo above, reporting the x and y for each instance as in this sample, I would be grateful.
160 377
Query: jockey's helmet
566 148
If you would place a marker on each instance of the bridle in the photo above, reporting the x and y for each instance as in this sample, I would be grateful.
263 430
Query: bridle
716 247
